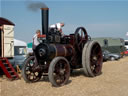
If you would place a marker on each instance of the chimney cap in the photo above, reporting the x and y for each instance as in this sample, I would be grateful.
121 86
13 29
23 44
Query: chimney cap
44 8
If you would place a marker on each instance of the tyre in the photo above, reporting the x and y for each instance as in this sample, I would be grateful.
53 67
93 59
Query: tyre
112 58
92 59
59 71
27 71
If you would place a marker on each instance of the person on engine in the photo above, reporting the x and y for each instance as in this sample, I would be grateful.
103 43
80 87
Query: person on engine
58 26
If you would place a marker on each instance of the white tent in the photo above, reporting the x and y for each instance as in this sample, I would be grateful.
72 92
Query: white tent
126 33
19 43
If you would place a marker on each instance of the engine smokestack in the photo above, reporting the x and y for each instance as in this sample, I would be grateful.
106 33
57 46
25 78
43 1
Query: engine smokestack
45 20
34 6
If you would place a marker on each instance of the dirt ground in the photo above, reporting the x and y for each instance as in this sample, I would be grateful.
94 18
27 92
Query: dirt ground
112 82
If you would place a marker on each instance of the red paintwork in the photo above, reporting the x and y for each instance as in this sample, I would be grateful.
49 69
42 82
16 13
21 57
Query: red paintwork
41 36
126 52
4 68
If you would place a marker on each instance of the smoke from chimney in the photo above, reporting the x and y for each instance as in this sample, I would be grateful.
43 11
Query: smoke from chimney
35 6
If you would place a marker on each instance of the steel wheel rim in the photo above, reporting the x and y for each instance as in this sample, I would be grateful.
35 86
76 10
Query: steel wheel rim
60 72
96 59
30 74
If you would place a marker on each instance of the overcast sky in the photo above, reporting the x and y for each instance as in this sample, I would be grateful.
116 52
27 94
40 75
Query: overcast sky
101 18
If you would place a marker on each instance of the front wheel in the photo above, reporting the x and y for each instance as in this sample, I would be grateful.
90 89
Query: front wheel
27 71
59 71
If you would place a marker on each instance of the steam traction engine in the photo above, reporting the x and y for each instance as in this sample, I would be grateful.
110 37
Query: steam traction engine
56 56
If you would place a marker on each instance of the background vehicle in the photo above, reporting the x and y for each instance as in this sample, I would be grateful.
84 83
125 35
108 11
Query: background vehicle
113 45
110 56
105 55
126 44
20 51
126 52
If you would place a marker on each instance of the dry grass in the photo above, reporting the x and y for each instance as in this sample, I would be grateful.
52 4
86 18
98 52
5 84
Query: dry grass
112 82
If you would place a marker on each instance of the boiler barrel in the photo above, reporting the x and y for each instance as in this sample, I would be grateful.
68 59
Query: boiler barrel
49 51
63 50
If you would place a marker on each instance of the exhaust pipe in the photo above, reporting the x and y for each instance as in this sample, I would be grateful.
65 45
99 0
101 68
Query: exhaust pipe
45 21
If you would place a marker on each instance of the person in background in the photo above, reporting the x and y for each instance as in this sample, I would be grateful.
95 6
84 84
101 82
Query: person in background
36 41
58 26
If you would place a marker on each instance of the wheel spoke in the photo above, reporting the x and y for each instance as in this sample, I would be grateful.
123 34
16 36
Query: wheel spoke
28 74
80 35
95 59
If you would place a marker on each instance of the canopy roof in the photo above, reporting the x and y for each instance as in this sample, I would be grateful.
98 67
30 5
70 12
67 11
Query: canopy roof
4 21
19 43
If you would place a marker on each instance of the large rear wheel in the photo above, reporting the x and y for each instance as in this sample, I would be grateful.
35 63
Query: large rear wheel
92 59
59 71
